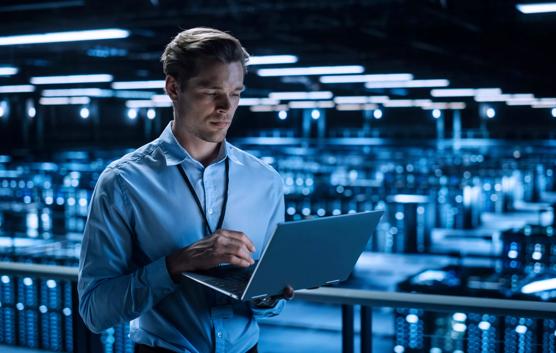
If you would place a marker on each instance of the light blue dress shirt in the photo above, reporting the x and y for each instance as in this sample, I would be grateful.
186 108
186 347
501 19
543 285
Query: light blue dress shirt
142 211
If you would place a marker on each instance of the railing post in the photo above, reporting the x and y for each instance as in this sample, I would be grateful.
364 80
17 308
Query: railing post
366 329
347 328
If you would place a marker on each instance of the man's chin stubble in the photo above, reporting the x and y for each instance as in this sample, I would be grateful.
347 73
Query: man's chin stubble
214 138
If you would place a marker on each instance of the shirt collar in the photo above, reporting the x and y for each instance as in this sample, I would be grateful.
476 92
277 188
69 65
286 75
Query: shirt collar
175 154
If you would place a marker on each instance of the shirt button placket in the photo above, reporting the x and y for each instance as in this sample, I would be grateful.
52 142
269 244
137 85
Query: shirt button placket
208 194
220 346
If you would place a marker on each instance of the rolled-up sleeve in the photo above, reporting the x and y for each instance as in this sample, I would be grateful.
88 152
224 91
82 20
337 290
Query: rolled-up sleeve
112 287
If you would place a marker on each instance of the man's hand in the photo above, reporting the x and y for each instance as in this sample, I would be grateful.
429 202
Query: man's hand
270 301
224 246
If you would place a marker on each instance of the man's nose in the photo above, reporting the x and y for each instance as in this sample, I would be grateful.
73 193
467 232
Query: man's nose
223 103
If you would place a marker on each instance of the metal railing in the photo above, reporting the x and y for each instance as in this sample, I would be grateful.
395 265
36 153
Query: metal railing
368 299
348 298
84 341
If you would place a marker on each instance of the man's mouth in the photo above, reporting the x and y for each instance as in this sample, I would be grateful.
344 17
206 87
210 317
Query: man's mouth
220 123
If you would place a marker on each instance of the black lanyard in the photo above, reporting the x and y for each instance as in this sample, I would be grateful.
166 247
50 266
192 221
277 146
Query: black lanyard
198 202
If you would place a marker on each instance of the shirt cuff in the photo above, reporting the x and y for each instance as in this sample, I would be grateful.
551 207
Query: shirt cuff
158 276
268 312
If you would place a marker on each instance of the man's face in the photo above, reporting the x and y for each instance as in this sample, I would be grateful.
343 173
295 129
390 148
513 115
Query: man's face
207 103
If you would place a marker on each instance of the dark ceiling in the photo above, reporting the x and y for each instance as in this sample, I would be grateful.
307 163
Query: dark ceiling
473 43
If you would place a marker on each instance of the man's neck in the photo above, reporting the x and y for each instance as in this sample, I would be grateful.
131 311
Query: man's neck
202 151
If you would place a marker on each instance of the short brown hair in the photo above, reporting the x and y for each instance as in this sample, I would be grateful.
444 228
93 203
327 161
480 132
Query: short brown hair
185 54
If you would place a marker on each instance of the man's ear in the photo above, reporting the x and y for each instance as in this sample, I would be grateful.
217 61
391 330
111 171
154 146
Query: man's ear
171 87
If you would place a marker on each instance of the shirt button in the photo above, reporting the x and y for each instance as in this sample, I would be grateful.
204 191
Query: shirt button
211 211
219 334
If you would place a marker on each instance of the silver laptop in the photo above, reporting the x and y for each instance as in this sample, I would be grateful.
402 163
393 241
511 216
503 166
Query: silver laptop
302 254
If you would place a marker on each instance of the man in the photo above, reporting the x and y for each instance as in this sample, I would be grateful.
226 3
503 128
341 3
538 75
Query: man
187 201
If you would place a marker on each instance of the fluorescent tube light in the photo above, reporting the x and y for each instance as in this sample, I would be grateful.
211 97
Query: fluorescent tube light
138 84
537 8
302 104
467 92
90 92
133 94
64 100
521 99
325 104
146 103
8 70
421 102
456 105
520 96
161 98
96 92
156 100
314 70
543 105
50 80
268 108
351 100
139 103
360 99
366 78
300 95
272 59
257 101
491 98
408 84
17 89
355 107
406 103
162 104
311 104
453 92
349 107
73 36
261 108
378 99
488 91
520 102
444 105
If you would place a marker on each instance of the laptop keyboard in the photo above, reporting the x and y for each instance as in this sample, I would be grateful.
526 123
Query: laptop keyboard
228 278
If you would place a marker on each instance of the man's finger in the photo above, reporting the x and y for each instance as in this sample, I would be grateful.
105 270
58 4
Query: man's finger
238 252
241 237
235 247
237 261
